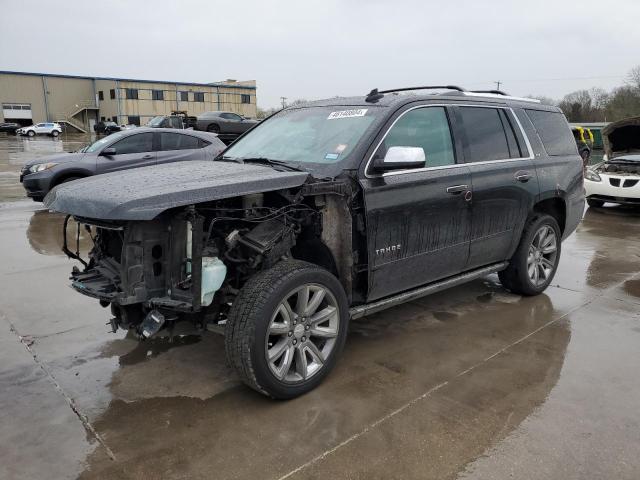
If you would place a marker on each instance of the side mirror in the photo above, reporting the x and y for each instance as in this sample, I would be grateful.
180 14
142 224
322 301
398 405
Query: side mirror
107 152
402 158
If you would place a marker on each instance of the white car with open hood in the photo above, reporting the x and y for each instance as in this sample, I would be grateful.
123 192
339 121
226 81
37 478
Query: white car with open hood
617 178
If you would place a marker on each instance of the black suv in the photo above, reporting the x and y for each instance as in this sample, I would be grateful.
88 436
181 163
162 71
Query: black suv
329 211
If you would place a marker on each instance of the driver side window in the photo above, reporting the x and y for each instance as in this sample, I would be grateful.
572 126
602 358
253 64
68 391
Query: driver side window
426 128
142 142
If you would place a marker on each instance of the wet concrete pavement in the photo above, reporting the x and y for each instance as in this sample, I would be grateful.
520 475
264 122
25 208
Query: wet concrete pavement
16 150
469 383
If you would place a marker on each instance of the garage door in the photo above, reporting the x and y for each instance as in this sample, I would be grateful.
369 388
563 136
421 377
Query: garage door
16 111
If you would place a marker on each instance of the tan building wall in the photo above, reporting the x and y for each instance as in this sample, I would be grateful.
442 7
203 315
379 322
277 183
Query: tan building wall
64 93
25 89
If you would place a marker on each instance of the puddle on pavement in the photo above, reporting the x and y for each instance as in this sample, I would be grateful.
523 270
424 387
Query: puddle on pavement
155 346
15 151
390 359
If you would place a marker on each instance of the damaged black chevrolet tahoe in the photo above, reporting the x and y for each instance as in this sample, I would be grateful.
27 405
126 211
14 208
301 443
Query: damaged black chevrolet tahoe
326 212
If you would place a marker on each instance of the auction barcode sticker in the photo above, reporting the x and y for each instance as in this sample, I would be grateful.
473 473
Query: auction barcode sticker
358 112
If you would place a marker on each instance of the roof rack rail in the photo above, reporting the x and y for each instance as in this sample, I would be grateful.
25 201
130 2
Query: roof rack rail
375 94
495 92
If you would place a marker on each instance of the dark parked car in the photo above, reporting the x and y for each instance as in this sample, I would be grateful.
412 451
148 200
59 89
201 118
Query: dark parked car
227 125
106 128
329 211
119 151
9 127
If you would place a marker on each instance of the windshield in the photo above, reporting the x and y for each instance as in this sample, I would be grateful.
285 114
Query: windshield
321 135
97 145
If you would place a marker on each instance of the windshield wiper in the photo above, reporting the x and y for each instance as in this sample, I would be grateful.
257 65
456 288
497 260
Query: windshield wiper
264 161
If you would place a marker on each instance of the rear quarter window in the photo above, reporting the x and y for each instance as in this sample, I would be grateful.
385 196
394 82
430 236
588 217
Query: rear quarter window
554 131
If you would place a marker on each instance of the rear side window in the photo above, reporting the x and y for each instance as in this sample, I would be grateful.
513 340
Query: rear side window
490 134
142 142
176 141
427 128
554 132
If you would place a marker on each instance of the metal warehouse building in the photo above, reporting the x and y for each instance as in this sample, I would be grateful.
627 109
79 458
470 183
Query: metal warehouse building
80 102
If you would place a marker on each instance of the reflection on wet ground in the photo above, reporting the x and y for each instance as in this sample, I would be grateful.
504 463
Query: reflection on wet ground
473 382
15 151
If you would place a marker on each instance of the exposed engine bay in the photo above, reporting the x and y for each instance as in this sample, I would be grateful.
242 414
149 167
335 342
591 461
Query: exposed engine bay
628 165
190 263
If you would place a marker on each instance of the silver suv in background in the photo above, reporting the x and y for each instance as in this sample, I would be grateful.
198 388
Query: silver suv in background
46 128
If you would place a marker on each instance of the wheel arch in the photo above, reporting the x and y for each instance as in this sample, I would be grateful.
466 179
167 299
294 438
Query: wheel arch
62 176
556 207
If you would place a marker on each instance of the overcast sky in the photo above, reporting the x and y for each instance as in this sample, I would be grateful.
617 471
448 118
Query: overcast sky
317 49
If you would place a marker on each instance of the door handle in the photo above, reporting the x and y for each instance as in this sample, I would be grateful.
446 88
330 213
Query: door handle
457 189
522 176
148 156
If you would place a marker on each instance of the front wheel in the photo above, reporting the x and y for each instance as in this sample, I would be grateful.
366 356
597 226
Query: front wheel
286 329
31 133
592 202
535 261
55 133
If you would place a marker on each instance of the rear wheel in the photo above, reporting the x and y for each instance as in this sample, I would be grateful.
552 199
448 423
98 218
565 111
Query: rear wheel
535 261
286 329
592 202
213 128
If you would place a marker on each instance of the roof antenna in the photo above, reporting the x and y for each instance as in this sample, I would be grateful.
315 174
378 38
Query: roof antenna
373 96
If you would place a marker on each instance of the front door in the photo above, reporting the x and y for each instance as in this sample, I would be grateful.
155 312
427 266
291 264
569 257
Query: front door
418 221
504 181
132 151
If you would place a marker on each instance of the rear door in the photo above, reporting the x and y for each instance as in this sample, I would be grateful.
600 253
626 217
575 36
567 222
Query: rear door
504 179
132 151
176 147
418 220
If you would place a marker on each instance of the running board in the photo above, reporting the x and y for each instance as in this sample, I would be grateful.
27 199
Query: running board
374 307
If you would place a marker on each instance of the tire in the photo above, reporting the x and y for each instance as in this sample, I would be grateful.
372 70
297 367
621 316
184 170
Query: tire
31 133
213 128
592 202
55 133
257 325
519 277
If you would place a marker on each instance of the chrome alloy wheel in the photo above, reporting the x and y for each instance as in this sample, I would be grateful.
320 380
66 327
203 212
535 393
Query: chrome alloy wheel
543 253
302 333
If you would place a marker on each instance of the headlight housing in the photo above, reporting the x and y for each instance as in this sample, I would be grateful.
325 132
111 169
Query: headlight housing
41 166
592 176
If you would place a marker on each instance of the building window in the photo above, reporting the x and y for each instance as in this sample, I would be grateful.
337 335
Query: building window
102 119
112 94
115 119
133 120
100 95
184 96
244 98
157 95
132 93
198 96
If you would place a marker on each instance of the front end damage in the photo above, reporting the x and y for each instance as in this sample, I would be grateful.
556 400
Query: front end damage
189 263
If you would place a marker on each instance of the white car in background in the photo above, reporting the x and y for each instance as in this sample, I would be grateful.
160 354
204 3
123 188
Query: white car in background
617 178
616 181
46 128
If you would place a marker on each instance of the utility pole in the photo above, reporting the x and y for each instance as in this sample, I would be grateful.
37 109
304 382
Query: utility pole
498 84
284 102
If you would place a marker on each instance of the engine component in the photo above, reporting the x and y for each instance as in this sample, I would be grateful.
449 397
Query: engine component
266 235
152 323
251 201
213 273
